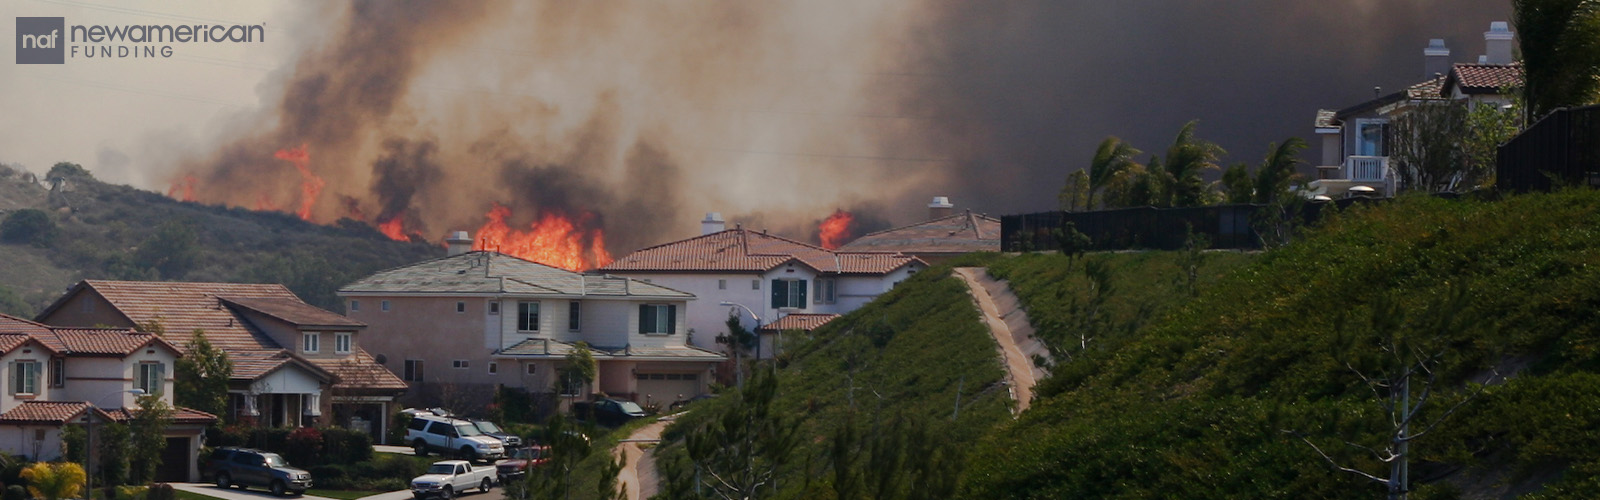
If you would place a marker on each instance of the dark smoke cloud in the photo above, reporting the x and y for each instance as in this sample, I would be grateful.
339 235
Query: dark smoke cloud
405 168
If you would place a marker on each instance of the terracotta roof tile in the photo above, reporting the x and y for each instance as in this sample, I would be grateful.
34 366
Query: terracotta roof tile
180 415
742 250
959 233
799 321
293 311
1433 88
360 371
107 341
1484 78
13 324
185 307
46 412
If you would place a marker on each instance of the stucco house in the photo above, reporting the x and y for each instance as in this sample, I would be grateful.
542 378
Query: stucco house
771 275
58 376
294 364
1356 140
460 327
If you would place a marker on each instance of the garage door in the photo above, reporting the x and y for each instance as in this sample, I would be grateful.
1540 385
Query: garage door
666 387
174 461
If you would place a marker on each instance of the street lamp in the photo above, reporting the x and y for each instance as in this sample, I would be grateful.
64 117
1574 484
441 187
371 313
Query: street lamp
738 367
88 455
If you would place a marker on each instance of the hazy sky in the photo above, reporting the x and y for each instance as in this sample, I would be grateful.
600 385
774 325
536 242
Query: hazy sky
779 111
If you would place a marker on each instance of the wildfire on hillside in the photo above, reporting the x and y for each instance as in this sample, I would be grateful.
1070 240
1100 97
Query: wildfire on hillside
553 239
183 188
834 231
394 228
310 184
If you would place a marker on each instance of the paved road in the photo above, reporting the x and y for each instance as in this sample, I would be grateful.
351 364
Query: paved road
1013 333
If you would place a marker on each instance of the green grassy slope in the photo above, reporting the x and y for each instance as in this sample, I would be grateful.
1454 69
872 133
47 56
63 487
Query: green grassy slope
1210 402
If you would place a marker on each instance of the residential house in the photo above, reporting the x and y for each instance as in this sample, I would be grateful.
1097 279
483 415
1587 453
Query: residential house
294 364
460 327
1355 140
58 376
770 276
943 236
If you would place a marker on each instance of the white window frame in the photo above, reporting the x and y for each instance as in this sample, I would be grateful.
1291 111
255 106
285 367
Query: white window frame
494 368
661 326
533 322
355 306
1362 123
574 321
144 380
311 342
343 342
25 377
58 372
825 290
461 307
494 308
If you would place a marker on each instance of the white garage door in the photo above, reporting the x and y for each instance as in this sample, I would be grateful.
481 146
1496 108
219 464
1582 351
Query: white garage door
665 388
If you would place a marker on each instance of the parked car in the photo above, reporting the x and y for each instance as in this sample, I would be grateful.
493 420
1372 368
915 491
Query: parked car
245 467
511 441
607 412
519 461
446 479
679 404
448 435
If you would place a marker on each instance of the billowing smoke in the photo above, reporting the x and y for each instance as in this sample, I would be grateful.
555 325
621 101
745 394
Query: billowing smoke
637 117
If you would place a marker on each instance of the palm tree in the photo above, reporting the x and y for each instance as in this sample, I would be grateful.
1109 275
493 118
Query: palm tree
1277 171
1113 156
1560 45
1187 161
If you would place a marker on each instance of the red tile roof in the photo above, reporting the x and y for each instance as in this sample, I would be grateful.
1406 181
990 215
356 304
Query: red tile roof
955 234
743 250
293 311
107 341
360 371
182 308
180 415
1484 78
799 321
1433 88
253 364
13 324
47 412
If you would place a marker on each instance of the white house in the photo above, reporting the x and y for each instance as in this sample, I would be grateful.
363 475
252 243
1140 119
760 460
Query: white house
770 275
64 376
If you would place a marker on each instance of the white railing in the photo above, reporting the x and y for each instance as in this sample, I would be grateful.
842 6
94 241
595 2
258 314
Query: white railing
1366 168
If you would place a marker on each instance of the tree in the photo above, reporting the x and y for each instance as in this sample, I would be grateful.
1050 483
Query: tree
75 442
148 429
1427 146
13 304
1238 184
1277 171
1560 48
1110 158
67 170
578 369
1186 164
202 375
1072 242
1488 127
29 227
738 450
1075 193
113 440
569 446
171 251
54 481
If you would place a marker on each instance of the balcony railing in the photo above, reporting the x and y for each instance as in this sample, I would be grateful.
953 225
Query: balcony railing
1366 168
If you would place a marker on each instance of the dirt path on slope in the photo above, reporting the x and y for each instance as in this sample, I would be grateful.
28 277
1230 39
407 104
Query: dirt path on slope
639 470
1013 334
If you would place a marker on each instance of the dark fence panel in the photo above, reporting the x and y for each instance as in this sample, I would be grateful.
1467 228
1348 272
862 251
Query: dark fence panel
1563 148
1227 226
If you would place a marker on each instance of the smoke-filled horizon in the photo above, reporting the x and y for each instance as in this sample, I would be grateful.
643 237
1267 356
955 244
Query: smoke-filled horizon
636 118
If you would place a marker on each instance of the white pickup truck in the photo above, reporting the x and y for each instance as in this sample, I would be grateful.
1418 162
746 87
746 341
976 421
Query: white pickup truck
446 479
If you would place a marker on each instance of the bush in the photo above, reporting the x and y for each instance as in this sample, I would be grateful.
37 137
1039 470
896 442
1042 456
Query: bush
397 431
28 226
305 446
16 492
345 446
161 491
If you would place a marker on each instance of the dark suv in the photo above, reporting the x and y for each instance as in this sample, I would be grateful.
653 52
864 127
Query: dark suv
245 467
607 412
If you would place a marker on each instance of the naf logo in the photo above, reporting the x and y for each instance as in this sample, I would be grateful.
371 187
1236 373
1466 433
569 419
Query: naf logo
41 40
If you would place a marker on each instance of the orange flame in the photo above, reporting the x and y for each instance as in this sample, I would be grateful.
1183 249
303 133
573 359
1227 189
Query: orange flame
394 228
553 240
835 230
265 204
310 184
183 185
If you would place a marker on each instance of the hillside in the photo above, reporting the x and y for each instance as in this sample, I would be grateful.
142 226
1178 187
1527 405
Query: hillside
99 230
1213 401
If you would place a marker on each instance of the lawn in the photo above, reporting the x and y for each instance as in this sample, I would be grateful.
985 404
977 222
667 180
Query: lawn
186 495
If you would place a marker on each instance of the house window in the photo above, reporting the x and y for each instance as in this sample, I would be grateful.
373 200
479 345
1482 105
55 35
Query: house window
25 377
571 385
58 372
788 293
755 284
527 316
658 319
531 368
494 368
1370 136
384 305
413 371
823 292
494 307
461 307
151 376
341 343
355 305
722 284
574 315
311 342
460 364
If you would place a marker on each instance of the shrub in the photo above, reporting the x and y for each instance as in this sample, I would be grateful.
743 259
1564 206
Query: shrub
130 492
53 481
28 226
397 431
16 492
305 446
345 446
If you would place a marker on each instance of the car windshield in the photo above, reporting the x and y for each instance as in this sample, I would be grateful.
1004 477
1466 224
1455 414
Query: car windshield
488 427
631 407
466 430
445 469
273 460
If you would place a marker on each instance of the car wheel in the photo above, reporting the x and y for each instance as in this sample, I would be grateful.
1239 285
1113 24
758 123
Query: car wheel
223 481
469 455
485 485
448 493
278 488
420 448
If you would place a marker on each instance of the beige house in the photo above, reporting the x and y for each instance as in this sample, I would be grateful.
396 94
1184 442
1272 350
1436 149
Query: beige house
58 376
293 364
459 327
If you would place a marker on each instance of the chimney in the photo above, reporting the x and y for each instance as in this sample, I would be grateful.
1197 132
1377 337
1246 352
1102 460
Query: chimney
939 208
712 224
458 243
1435 59
1497 43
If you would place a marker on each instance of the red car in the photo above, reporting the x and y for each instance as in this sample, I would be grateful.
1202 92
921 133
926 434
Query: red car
521 460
